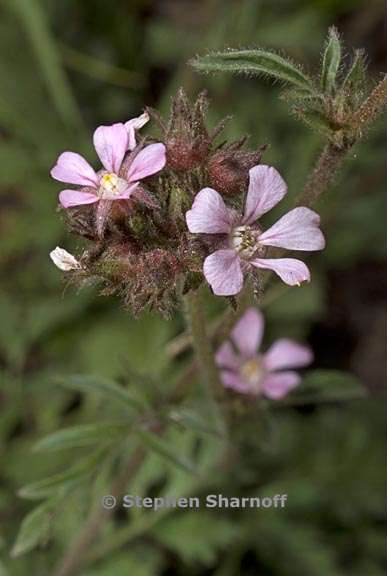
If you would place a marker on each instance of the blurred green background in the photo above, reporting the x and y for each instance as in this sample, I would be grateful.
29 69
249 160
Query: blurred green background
65 68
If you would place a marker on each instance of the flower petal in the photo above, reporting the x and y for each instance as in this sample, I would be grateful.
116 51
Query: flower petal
290 270
69 198
286 353
226 357
72 168
148 161
111 144
64 260
266 189
276 386
296 230
209 214
133 125
248 331
223 272
234 381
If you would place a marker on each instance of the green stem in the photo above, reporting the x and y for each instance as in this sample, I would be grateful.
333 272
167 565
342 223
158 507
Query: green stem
196 322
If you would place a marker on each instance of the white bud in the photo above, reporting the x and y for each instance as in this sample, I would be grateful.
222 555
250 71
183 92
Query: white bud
64 260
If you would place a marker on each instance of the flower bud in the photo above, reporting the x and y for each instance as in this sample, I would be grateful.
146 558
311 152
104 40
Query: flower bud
183 153
229 170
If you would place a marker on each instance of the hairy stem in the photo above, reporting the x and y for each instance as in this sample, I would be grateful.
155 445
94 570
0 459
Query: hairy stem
328 165
205 356
372 107
332 157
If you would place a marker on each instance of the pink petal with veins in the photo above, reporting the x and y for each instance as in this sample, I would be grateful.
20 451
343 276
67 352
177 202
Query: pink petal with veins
72 168
292 271
223 272
147 162
69 198
111 144
266 189
209 214
296 230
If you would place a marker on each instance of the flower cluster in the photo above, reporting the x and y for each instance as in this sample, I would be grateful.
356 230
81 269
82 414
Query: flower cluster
156 226
133 209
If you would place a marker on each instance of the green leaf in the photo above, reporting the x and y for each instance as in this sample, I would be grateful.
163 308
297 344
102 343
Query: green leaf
63 480
315 120
166 452
35 528
327 386
254 62
191 420
331 61
196 537
101 385
32 17
82 435
355 79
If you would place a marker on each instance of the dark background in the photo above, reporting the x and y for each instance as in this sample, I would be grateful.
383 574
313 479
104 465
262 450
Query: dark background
65 68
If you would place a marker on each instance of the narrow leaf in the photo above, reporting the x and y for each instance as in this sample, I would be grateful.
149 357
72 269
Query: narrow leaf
61 481
315 120
254 62
82 435
356 77
327 386
191 420
103 386
32 17
331 61
165 451
34 530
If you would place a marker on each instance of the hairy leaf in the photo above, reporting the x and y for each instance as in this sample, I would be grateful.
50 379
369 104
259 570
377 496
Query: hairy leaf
255 62
331 61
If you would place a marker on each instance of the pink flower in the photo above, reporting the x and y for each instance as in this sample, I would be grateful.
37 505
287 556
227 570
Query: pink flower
241 240
247 371
118 180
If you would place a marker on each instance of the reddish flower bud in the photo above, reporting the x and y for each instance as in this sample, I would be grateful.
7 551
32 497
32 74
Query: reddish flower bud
184 153
229 170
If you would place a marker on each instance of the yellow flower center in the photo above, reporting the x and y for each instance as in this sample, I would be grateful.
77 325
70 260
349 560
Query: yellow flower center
111 185
252 371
